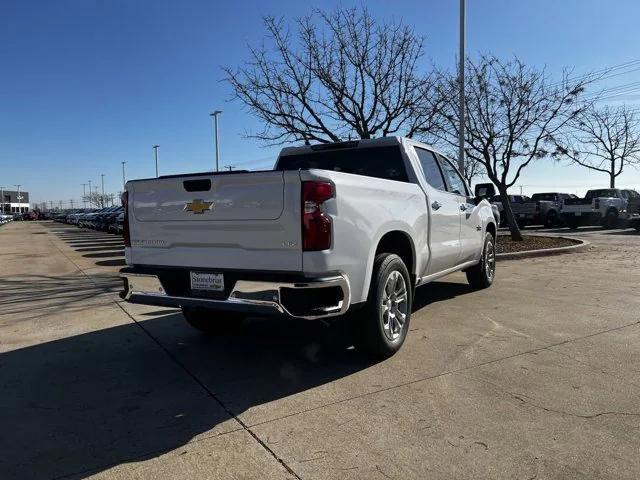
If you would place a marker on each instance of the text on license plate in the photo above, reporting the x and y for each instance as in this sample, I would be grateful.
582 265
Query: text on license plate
207 281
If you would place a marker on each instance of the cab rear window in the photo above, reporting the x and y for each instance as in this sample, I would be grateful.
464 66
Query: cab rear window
378 162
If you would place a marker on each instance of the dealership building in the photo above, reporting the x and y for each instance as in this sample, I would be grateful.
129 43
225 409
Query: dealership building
14 202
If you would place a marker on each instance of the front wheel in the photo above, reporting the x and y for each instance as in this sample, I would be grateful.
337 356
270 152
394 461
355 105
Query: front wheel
384 322
212 322
482 275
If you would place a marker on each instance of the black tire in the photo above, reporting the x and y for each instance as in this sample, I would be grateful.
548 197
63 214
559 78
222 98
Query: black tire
482 275
521 225
572 223
213 322
611 220
374 336
552 219
637 227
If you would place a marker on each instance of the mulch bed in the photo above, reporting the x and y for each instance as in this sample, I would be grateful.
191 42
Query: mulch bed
530 242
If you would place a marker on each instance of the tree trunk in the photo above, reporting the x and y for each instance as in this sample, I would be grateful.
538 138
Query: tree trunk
511 219
612 175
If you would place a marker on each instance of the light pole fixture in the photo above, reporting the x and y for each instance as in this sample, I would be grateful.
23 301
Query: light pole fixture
155 149
461 112
84 195
19 198
215 114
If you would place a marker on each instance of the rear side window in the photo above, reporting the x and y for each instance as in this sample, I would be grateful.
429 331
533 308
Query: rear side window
607 192
378 162
431 169
549 197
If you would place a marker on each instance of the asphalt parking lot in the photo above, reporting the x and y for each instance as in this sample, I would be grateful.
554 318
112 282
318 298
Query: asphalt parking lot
537 377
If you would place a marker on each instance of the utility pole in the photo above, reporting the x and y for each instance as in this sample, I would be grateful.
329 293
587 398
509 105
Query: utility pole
461 113
102 179
155 149
1 199
215 114
71 202
229 167
124 181
19 198
90 192
84 194
60 203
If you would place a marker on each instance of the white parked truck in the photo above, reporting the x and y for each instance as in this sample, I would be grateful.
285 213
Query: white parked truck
607 207
343 228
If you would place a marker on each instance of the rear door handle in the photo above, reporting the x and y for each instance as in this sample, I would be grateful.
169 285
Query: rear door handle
435 205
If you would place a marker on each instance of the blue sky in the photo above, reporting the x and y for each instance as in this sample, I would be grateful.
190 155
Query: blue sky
87 84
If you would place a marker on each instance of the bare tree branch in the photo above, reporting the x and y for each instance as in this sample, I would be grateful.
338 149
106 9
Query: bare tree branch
603 139
342 75
513 114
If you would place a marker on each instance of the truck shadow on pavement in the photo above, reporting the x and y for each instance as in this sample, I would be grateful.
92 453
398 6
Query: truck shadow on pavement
82 404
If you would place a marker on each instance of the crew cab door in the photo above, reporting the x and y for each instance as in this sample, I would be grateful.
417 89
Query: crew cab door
471 240
443 250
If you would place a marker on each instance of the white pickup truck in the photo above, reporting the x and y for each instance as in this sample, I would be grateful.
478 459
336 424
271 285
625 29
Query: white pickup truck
350 227
607 207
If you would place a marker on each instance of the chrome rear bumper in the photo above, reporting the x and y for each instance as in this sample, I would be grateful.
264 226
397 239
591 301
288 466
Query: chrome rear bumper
256 297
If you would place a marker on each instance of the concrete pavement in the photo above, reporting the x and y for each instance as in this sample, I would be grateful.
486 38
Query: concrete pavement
536 377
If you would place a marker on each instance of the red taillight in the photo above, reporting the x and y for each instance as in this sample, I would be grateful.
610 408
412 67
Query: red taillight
316 226
125 223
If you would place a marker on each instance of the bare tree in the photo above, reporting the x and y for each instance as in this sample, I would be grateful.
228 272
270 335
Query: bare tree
513 114
341 76
603 139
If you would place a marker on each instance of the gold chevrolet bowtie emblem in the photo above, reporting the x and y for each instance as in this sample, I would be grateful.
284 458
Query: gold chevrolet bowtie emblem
198 206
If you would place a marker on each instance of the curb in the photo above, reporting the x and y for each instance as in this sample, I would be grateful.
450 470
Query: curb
578 247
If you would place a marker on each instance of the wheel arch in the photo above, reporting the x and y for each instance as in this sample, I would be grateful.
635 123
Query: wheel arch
396 241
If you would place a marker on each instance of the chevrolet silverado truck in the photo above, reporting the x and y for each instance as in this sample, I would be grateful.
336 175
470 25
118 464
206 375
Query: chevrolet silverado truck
345 229
606 207
543 209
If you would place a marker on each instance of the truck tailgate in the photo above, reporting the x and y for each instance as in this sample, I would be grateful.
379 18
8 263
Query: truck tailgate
227 221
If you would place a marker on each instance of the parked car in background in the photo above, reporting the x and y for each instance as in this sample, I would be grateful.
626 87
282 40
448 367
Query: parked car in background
353 226
516 205
607 207
543 209
117 226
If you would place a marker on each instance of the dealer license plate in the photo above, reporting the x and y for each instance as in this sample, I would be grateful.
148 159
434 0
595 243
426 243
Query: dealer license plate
212 282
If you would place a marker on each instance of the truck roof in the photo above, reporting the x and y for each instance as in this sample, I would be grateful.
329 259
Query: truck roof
359 143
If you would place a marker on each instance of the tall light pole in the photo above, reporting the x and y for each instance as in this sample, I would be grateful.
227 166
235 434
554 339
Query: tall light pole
461 113
124 181
215 114
18 198
155 149
102 180
84 195
1 199
90 197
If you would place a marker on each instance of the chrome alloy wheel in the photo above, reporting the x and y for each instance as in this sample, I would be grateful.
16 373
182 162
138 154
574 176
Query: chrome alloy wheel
394 305
490 260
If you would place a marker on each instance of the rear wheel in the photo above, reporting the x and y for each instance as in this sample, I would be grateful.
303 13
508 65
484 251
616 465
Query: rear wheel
482 275
384 322
212 322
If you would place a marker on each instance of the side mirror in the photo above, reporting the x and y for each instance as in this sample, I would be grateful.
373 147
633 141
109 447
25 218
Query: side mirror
485 190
